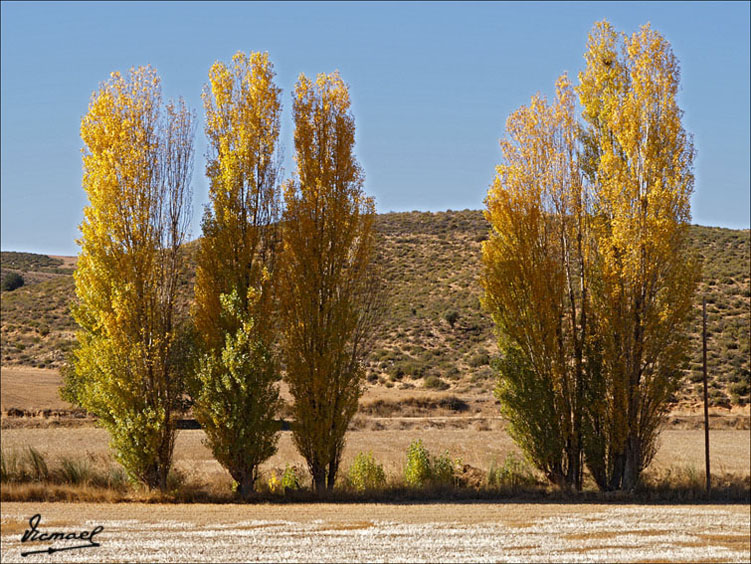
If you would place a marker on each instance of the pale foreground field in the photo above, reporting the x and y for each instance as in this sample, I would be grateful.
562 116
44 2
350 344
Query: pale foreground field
477 532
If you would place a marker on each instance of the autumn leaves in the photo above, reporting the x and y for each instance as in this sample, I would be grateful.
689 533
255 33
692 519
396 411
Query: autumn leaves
279 284
587 272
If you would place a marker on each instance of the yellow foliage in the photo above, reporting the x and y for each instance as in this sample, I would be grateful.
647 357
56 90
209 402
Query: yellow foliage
243 108
640 167
327 284
587 271
234 390
535 284
137 165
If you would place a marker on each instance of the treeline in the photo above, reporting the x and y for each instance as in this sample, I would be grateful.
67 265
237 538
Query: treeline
283 279
587 274
588 271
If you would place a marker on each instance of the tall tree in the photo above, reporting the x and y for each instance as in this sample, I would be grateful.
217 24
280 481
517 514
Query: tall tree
234 390
129 363
640 164
536 283
328 284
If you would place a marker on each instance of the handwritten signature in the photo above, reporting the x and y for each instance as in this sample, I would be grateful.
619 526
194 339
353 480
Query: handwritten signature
35 535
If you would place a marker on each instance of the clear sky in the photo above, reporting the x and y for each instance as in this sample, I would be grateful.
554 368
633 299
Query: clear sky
431 84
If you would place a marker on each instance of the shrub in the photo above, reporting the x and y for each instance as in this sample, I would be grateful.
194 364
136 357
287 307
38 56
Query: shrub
423 469
28 466
365 473
37 465
417 471
685 481
435 383
274 484
11 281
740 388
451 317
290 480
453 373
9 466
115 477
513 472
407 368
453 403
479 359
176 480
442 470
75 470
740 391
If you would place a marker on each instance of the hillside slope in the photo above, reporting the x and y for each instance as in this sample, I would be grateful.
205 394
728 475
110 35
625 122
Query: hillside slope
435 334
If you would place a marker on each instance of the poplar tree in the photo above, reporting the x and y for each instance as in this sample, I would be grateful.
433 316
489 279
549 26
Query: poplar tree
328 284
234 389
639 160
588 273
130 359
536 283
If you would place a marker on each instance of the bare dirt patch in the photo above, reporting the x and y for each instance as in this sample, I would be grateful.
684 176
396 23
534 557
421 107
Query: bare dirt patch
68 262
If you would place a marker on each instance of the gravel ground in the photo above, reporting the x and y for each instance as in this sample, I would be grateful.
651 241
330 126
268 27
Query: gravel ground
462 532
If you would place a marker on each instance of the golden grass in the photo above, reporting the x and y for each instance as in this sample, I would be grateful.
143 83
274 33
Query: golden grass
200 479
37 491
34 389
730 450
30 388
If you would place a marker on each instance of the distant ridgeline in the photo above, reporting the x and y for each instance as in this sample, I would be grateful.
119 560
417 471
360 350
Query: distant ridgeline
30 262
435 334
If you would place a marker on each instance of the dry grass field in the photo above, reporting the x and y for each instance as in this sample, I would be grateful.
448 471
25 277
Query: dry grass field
454 532
731 451
38 388
34 389
30 388
475 435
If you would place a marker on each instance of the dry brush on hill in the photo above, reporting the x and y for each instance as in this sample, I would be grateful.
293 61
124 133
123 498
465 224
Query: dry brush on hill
435 334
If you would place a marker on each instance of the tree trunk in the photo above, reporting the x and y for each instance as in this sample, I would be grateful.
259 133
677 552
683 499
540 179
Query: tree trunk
245 486
319 478
164 455
331 478
632 466
163 471
152 477
573 474
616 477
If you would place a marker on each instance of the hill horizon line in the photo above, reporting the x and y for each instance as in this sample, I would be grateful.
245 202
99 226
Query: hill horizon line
446 211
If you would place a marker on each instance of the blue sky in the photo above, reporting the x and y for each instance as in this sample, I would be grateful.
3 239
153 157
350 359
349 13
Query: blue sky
431 83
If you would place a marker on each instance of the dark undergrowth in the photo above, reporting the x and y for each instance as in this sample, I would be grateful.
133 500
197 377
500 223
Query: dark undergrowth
729 490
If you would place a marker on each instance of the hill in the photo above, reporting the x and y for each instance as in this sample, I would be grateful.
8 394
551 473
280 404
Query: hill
435 334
